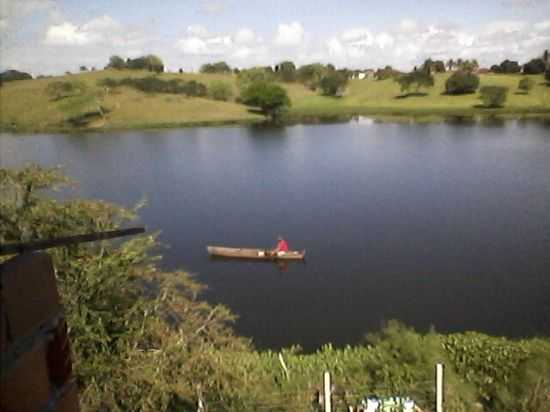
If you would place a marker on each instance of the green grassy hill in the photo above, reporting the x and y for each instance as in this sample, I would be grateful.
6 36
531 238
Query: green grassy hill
25 106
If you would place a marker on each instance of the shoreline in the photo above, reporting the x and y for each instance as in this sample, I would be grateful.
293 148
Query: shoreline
317 116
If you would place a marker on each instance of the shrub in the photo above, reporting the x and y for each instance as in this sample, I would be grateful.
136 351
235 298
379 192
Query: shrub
220 90
526 85
461 83
153 84
333 84
493 96
419 78
269 97
61 89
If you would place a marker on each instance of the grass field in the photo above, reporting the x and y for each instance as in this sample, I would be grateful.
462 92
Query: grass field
25 107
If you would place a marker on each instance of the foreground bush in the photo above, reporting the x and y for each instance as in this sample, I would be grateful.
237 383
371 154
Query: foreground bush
141 340
461 83
493 96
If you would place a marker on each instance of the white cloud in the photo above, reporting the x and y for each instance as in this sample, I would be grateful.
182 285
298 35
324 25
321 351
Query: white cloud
192 45
245 36
67 34
197 30
289 34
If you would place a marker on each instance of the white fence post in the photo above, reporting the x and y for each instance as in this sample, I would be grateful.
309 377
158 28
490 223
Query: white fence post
439 387
327 389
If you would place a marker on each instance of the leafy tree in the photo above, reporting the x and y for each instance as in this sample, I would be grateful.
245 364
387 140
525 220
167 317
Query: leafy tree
420 78
12 75
526 84
271 98
220 90
507 67
461 82
311 74
83 69
286 71
431 66
252 75
534 66
218 67
493 96
333 84
547 76
116 62
386 73
150 62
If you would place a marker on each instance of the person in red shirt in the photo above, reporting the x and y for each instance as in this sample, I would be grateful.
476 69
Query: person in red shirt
282 246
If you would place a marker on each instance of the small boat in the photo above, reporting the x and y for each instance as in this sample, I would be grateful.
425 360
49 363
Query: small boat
260 254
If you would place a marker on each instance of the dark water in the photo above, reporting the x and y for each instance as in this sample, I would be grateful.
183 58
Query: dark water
444 225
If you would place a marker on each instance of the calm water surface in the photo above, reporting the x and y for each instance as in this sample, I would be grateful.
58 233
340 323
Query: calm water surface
444 225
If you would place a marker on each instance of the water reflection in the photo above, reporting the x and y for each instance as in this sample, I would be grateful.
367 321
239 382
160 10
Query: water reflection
438 224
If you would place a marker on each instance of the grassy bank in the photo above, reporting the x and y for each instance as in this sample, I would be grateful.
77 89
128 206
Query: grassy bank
25 106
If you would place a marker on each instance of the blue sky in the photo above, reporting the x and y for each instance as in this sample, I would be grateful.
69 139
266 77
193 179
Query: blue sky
53 36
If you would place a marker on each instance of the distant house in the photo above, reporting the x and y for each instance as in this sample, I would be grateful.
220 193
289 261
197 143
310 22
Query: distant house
363 74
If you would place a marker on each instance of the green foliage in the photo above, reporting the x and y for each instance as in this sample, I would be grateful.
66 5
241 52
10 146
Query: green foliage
286 71
116 62
140 338
12 75
487 362
547 76
507 67
461 82
154 84
526 84
218 67
271 98
150 62
256 74
386 73
534 66
420 78
58 90
311 74
333 84
220 90
493 96
431 66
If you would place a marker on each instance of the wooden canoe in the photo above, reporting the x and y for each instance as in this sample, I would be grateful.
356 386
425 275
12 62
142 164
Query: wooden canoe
259 254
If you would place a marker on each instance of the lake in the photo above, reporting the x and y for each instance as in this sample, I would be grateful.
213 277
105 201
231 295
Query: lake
438 225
